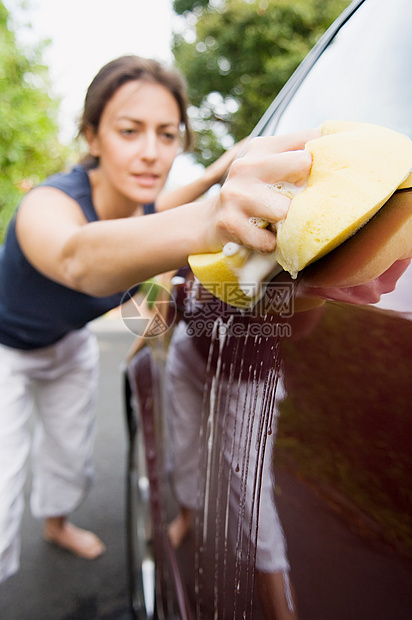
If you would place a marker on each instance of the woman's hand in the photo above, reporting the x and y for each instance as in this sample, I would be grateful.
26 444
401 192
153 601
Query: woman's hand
216 172
368 293
250 192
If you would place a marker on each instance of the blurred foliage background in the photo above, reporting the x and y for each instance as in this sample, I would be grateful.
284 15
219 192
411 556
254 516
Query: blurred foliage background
29 145
235 54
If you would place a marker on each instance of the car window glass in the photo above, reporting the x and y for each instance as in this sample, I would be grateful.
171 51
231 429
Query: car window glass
364 73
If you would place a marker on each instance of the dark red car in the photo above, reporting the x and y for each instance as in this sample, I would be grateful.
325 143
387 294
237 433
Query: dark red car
343 456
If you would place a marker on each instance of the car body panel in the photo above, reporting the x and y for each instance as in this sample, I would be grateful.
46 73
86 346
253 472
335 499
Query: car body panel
345 422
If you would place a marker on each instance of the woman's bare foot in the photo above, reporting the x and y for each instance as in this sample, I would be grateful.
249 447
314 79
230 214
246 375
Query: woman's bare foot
80 542
180 526
276 596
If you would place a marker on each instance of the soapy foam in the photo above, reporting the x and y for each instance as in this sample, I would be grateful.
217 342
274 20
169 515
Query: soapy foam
289 189
259 266
258 221
231 248
256 268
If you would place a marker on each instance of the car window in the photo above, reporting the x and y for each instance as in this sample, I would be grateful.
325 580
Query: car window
363 74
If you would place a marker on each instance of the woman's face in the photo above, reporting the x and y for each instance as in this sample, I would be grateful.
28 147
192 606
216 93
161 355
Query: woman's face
137 141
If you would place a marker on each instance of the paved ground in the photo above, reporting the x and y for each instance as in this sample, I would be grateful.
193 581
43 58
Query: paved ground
337 575
53 585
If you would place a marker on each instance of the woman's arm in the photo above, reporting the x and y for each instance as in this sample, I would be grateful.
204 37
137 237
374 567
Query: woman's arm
108 256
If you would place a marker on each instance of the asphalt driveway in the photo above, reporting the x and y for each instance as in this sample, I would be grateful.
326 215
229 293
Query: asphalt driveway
52 584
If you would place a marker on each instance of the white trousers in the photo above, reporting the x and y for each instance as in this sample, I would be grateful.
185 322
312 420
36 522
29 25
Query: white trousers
239 453
60 381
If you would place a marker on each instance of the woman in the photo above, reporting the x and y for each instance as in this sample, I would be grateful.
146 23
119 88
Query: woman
76 243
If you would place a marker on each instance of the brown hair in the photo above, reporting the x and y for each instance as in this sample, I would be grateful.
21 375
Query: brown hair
126 69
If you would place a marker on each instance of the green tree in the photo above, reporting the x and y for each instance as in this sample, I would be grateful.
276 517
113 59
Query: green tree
29 146
237 54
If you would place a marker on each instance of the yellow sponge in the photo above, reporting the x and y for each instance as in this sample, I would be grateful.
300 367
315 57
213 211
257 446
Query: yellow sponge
356 167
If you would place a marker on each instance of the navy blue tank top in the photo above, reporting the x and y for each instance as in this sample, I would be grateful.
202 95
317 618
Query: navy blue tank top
35 311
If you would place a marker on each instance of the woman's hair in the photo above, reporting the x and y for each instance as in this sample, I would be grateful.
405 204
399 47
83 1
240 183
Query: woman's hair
127 69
